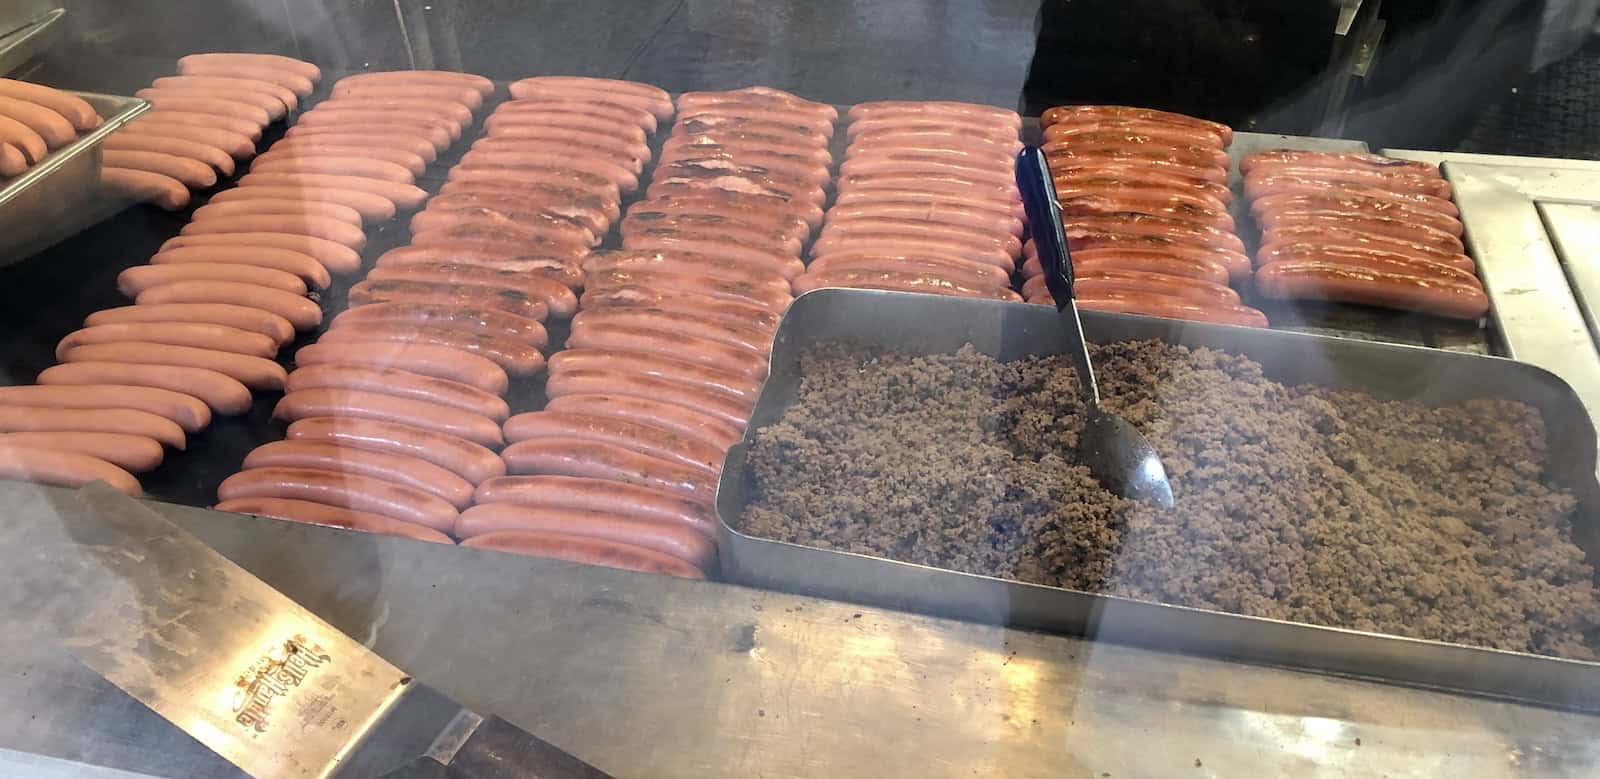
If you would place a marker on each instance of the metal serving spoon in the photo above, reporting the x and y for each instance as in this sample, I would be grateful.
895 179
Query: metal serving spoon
1115 451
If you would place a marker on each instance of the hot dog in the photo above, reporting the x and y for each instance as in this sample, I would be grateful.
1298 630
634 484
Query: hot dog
400 383
750 337
578 493
1372 257
242 317
639 295
733 387
440 131
245 127
765 295
1149 262
466 96
128 451
1259 186
1115 280
594 459
210 155
331 516
345 490
143 186
1357 206
594 213
679 346
641 225
585 550
1394 180
407 78
891 240
1147 304
611 382
386 466
643 438
1328 281
285 206
222 60
202 103
403 196
63 469
838 230
256 373
186 410
474 320
679 419
74 108
1160 205
127 421
285 97
681 262
516 357
1096 113
1379 228
333 164
531 223
237 145
54 128
323 227
617 112
380 407
1321 159
469 280
391 139
141 277
471 461
301 312
930 211
334 256
318 146
953 269
224 394
1156 131
439 361
900 281
492 237
450 295
670 240
681 543
192 334
449 110
373 208
653 99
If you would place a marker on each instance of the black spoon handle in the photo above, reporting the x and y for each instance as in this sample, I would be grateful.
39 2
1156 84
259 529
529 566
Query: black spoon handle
1044 222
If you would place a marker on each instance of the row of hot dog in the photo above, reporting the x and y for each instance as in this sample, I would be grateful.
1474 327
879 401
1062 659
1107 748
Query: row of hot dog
36 120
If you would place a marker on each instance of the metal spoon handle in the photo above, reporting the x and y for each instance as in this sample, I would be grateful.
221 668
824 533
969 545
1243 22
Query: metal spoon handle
1050 240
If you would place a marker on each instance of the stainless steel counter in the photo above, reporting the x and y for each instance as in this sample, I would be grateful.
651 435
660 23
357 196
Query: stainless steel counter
653 677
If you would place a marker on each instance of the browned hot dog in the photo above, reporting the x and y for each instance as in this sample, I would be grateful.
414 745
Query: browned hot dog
736 387
657 413
472 320
516 357
452 295
609 382
749 337
678 346
1328 281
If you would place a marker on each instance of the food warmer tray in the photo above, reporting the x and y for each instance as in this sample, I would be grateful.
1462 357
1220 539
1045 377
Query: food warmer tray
1009 331
52 200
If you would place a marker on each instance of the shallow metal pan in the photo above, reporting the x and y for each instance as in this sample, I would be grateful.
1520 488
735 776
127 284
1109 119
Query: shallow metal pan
53 199
1012 330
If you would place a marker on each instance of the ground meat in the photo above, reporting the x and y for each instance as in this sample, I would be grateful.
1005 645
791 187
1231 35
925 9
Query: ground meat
1297 503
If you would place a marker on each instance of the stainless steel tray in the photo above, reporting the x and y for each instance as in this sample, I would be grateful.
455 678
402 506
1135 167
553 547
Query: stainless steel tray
1012 330
26 31
52 199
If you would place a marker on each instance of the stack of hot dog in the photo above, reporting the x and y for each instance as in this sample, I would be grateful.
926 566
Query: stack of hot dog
927 202
1360 228
201 121
393 409
1144 199
36 120
667 354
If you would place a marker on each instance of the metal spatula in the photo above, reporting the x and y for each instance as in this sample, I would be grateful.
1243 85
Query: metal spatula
1115 451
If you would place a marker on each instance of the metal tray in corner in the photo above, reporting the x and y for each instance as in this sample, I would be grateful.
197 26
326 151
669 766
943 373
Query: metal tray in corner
55 198
932 324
